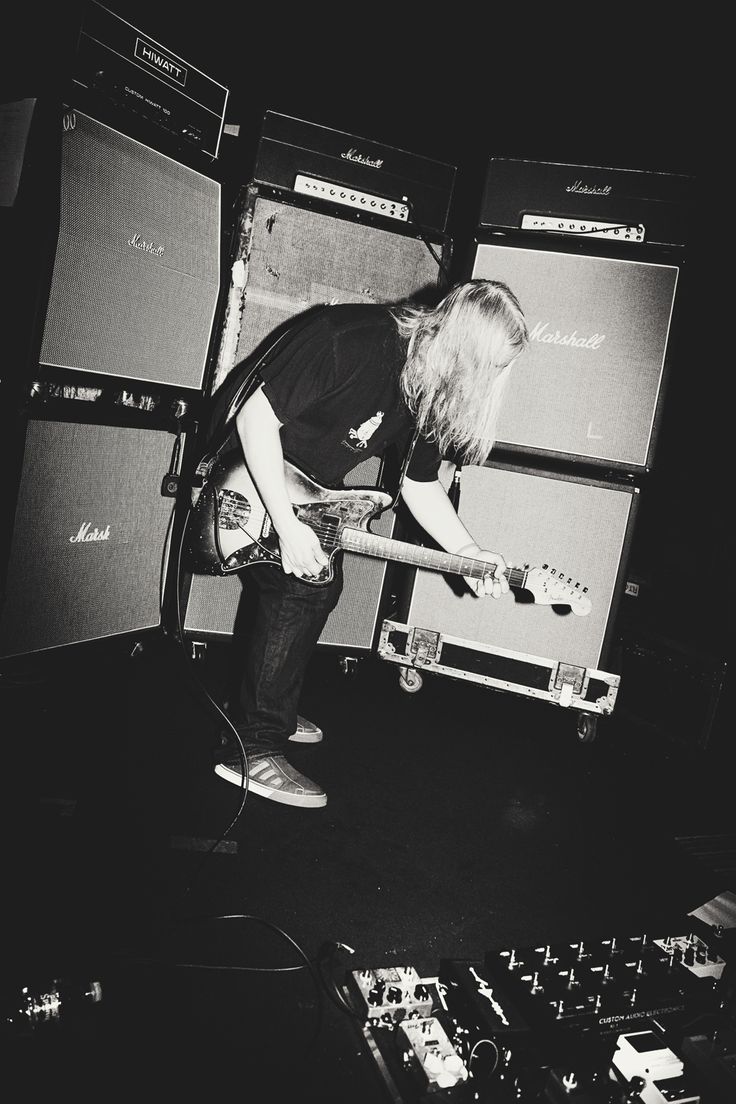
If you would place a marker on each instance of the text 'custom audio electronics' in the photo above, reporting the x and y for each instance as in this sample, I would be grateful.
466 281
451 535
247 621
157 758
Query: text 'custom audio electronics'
594 204
136 270
119 67
366 176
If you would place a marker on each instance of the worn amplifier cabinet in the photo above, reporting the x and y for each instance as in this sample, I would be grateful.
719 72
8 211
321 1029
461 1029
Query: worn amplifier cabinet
565 530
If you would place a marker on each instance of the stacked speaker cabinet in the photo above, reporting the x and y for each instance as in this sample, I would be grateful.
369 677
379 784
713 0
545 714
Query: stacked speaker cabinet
595 257
126 243
328 218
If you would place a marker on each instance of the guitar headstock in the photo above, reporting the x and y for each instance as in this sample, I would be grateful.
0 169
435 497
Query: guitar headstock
553 588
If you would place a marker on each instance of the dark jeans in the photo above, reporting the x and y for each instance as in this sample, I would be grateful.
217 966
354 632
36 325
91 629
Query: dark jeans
280 620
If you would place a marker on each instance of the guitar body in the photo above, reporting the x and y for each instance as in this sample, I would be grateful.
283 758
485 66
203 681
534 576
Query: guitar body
230 528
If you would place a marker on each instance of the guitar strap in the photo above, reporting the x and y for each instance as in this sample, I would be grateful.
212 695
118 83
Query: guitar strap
221 419
405 464
454 492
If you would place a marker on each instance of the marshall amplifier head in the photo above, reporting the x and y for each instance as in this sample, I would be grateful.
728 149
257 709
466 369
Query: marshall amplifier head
120 67
594 203
340 168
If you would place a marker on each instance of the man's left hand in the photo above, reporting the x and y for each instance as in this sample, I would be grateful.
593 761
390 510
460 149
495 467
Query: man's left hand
494 583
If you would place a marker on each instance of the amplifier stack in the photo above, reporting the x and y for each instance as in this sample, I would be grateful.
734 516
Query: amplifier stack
112 225
329 217
596 257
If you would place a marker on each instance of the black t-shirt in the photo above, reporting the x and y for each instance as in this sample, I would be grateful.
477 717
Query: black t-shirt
335 388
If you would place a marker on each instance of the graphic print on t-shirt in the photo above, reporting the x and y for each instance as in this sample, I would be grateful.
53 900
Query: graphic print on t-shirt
359 438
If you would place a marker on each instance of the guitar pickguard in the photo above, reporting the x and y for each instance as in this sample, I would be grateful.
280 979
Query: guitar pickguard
330 516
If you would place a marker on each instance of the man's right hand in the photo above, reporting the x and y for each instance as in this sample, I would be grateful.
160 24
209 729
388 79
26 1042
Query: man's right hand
301 553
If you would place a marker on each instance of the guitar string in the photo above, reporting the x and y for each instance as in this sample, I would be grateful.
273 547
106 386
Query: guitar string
326 536
329 543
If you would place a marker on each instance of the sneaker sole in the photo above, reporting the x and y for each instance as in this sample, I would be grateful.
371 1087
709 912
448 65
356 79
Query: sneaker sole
283 797
299 737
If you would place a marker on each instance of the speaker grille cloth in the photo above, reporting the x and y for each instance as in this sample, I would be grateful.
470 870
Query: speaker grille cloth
577 528
588 385
299 258
62 589
117 305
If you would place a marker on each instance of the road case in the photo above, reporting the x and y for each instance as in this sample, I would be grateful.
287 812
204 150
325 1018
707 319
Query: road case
572 528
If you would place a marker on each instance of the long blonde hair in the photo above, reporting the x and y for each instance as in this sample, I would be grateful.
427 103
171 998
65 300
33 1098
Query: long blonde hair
459 357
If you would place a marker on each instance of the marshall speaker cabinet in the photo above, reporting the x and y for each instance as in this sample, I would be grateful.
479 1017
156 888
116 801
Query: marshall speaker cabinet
550 637
90 533
589 386
136 270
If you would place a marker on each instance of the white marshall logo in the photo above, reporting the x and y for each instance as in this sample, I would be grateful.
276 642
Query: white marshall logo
546 336
87 533
353 155
148 247
590 189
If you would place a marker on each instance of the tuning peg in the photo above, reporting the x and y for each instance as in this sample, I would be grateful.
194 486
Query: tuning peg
545 567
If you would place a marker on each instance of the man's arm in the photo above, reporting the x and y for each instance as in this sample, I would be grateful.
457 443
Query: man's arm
431 506
260 436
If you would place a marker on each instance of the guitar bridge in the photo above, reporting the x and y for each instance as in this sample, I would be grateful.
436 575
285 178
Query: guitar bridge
233 510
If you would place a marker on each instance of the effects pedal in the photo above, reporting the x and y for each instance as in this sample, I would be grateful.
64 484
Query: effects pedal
388 995
653 1070
693 954
429 1055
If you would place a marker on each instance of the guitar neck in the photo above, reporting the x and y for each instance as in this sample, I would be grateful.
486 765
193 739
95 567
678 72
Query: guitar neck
385 548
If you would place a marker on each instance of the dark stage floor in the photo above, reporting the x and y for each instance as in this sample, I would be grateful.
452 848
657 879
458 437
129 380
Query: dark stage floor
459 820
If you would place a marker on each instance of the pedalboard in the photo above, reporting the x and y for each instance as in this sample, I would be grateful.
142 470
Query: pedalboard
630 1019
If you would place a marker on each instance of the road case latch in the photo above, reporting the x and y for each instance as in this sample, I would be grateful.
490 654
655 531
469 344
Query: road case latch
569 680
424 646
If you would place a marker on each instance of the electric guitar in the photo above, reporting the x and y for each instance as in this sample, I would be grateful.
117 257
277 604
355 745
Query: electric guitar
230 529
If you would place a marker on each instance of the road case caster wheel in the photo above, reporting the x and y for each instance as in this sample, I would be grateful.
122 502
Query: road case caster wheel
410 680
587 728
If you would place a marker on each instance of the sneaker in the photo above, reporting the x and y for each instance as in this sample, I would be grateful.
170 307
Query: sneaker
273 777
306 732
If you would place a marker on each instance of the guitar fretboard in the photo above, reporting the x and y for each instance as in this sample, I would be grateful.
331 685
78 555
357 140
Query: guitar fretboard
386 548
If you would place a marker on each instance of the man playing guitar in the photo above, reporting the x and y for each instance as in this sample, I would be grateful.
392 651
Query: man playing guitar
354 380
